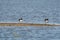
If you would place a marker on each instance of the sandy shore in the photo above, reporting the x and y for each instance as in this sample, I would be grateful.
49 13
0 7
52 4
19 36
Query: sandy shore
26 24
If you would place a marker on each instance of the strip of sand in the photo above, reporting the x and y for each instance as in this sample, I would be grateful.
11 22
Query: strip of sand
26 24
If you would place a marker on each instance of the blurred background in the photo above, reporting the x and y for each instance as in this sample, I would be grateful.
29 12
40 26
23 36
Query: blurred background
34 11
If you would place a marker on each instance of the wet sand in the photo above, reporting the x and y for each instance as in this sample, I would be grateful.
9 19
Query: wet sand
26 24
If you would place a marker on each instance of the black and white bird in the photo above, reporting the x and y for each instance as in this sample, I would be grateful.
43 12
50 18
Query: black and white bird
20 20
46 20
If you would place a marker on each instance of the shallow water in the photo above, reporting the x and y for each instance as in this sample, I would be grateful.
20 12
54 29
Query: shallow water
30 33
32 11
